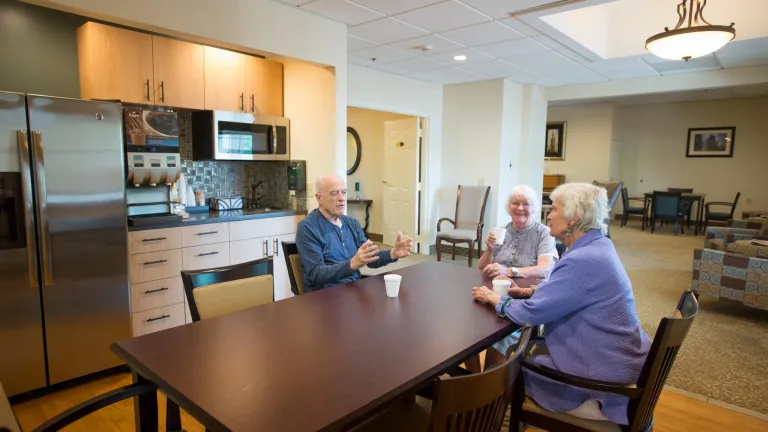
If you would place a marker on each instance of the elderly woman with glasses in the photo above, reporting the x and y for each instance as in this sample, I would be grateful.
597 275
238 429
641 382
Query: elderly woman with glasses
528 250
591 328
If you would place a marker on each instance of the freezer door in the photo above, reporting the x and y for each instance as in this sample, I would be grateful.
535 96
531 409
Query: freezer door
22 363
77 158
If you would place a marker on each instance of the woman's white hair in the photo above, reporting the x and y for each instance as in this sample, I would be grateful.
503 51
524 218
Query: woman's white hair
583 200
530 195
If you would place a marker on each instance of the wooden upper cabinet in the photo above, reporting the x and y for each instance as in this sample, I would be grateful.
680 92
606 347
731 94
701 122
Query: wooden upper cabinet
264 86
114 64
224 80
179 73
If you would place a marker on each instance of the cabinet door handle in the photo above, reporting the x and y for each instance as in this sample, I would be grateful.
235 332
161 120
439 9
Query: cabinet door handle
207 254
275 252
159 318
155 262
242 102
147 84
265 249
155 290
162 91
154 239
207 233
253 103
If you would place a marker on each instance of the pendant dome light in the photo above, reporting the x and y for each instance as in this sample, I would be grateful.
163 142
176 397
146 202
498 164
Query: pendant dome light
698 39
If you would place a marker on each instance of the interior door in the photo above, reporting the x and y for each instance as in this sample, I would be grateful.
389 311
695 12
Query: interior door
401 169
179 73
282 281
22 364
224 80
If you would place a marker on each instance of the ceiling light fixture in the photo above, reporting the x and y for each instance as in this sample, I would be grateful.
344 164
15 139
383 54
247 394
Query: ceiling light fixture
698 39
460 57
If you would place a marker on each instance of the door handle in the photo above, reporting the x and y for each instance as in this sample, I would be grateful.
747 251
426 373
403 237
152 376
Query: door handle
158 318
154 239
42 207
275 252
155 290
207 254
265 249
162 91
155 262
242 102
29 212
207 233
274 139
147 84
253 103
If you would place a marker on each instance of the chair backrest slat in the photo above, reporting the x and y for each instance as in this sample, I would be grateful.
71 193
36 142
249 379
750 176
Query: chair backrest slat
669 337
470 206
293 263
478 402
666 203
612 188
735 203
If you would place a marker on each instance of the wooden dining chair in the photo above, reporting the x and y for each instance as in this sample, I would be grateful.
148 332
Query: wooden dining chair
467 403
666 207
686 205
710 216
642 395
632 210
293 262
612 189
468 221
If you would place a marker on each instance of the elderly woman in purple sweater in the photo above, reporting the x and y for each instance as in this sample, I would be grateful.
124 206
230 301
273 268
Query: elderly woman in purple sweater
591 328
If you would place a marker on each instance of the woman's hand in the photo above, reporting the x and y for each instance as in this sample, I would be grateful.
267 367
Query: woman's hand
490 241
514 290
494 269
485 295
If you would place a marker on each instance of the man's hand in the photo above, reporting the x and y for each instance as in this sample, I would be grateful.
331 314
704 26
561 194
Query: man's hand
367 254
493 269
485 295
402 247
514 290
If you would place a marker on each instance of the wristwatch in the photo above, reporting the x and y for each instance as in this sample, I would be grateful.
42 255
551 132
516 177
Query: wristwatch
515 271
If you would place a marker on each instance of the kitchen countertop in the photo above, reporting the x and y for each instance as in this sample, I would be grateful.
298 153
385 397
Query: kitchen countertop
222 216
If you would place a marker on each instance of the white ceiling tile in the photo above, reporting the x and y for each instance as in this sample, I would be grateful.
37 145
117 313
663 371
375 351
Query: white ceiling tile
513 48
448 57
573 55
386 30
752 52
342 11
500 69
629 73
358 61
418 65
552 64
443 16
546 82
382 54
355 43
548 42
415 45
520 26
679 66
451 75
502 8
392 7
622 68
294 2
481 34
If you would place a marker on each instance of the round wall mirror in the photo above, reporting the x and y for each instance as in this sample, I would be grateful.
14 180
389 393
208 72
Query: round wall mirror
354 150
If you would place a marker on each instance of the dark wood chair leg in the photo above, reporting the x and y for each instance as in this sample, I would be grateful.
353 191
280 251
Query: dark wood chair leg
437 246
172 417
453 254
470 252
479 250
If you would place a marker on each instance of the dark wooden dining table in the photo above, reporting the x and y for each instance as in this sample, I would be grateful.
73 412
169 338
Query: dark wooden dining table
325 360
698 198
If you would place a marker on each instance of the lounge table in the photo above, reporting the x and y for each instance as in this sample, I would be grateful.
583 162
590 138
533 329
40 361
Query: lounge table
321 361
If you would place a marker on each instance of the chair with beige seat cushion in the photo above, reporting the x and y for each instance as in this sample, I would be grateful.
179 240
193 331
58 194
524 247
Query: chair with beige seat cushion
642 395
468 221
293 263
468 403
224 290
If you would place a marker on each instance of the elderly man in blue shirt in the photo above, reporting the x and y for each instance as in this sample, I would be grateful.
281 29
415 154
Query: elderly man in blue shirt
333 247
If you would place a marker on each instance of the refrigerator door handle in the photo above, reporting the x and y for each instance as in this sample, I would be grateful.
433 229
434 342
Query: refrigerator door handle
42 206
29 212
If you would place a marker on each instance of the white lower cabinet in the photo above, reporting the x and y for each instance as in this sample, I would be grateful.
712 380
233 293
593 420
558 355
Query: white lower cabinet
205 257
154 320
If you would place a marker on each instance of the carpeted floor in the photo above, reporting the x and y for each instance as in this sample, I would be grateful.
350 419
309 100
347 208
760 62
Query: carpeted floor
725 356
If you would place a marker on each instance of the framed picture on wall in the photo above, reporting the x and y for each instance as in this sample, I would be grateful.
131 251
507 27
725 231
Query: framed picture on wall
554 148
711 142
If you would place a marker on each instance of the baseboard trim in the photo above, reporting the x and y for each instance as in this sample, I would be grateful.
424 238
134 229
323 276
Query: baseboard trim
716 402
376 237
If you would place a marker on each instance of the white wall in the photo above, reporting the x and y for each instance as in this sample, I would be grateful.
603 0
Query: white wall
589 134
369 124
279 31
372 89
653 146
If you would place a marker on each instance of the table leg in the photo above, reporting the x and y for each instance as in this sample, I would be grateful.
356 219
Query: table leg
700 215
145 408
367 217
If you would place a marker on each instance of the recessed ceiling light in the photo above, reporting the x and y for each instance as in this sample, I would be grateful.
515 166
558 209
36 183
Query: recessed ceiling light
460 57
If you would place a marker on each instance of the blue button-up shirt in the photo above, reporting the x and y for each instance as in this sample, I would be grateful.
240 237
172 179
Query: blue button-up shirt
327 249
591 327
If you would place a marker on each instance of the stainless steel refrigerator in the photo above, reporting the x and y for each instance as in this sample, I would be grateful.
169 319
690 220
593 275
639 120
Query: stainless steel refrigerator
64 295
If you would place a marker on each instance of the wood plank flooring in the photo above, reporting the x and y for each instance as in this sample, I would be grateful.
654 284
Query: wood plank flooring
674 413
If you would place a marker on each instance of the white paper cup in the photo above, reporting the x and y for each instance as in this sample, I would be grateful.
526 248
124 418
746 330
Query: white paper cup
500 233
501 286
392 282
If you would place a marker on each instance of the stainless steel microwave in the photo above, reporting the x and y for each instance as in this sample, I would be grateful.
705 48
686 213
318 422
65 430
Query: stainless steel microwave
224 135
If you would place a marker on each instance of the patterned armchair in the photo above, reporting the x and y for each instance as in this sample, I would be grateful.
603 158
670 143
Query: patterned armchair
730 267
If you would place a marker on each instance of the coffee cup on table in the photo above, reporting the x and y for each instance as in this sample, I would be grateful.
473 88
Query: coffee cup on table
392 283
501 286
500 234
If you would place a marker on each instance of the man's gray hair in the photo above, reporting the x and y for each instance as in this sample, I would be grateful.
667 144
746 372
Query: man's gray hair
583 200
530 195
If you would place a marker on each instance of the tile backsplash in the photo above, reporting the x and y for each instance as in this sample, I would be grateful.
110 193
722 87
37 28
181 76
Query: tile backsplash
220 179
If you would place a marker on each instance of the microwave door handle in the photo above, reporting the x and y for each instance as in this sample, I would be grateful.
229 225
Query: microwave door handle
29 215
274 139
42 206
